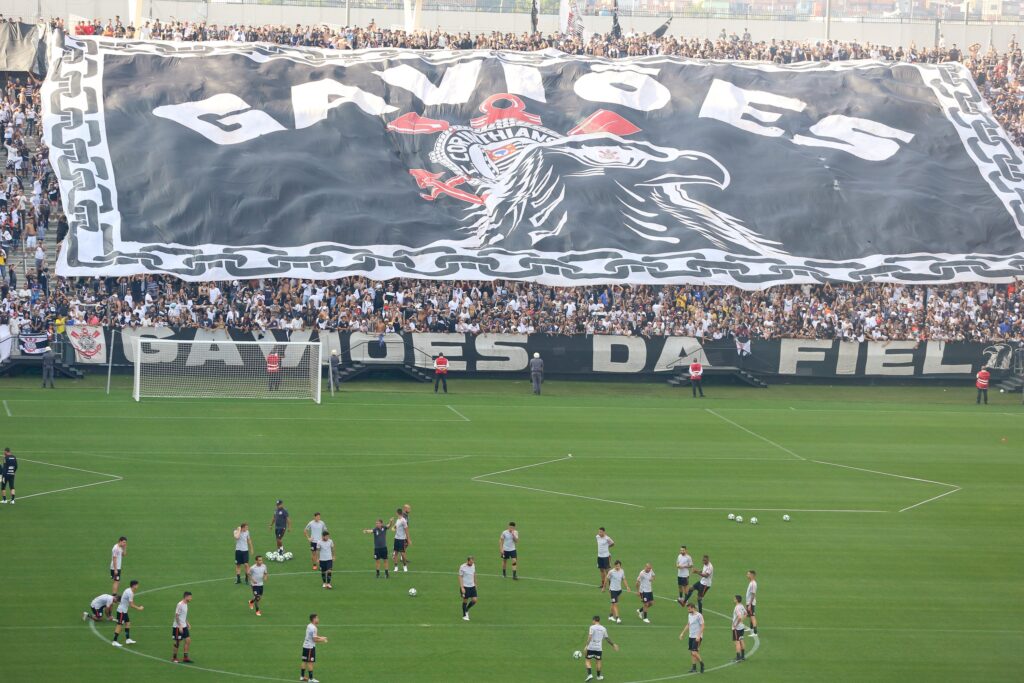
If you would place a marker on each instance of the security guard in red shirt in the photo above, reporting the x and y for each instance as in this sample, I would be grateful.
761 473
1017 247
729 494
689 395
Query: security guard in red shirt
982 383
441 372
696 374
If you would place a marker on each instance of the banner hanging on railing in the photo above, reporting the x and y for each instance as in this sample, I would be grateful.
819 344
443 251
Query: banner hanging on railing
229 161
89 343
33 344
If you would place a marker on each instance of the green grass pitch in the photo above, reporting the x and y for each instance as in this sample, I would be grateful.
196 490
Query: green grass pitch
856 588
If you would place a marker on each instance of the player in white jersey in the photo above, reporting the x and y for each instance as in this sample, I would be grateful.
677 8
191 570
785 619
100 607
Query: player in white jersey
739 613
101 605
325 550
123 619
645 589
751 599
616 582
604 554
117 554
684 565
402 540
508 543
707 573
243 546
309 648
695 625
594 647
313 532
467 586
257 576
180 628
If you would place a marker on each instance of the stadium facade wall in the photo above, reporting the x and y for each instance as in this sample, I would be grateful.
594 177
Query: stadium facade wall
606 356
886 32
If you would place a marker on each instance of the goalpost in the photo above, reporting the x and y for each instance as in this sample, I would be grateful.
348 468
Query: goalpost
171 368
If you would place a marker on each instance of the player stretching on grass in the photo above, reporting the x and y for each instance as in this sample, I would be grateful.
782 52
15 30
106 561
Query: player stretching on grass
180 628
309 648
596 636
695 625
616 581
645 589
604 555
100 605
507 544
258 574
123 618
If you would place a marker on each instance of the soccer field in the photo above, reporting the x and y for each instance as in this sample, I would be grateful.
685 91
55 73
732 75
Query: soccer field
898 564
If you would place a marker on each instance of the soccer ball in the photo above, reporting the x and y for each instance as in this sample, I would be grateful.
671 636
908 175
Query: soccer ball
288 556
731 516
279 557
577 654
412 592
785 518
739 519
753 520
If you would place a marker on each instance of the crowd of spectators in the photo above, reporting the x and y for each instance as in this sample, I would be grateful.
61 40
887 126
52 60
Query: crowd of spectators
966 312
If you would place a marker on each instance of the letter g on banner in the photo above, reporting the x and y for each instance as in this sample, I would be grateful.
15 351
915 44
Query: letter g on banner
225 119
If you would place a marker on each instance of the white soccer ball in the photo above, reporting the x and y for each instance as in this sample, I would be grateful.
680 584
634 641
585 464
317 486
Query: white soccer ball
412 592
288 556
785 518
577 655
731 516
739 519
1002 391
753 520
279 558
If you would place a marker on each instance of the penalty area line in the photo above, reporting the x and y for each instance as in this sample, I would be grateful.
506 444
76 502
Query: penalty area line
452 408
484 479
7 409
755 434
111 479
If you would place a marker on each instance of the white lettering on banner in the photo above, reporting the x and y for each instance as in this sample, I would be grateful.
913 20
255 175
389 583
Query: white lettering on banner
792 352
863 138
311 101
629 88
225 119
457 85
846 363
890 358
933 365
214 351
426 345
636 354
677 348
165 353
524 80
510 348
359 344
741 108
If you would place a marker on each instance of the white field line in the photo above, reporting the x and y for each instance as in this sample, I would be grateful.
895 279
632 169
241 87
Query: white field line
7 409
459 414
260 418
746 509
128 648
755 434
953 488
111 479
483 479
911 507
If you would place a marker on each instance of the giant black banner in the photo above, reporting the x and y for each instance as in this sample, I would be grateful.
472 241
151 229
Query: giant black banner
23 47
594 356
227 161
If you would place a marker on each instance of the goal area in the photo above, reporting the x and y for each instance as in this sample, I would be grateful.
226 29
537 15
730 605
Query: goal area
172 368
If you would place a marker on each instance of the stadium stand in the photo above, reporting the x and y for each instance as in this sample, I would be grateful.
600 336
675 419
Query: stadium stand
31 215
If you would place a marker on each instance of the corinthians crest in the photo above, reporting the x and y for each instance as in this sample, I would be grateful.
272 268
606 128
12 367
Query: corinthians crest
516 175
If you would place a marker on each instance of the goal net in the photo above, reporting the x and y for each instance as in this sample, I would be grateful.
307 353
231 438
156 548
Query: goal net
169 368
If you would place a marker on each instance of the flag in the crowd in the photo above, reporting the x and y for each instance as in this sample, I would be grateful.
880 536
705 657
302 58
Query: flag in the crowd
663 29
570 18
616 29
89 343
534 15
33 343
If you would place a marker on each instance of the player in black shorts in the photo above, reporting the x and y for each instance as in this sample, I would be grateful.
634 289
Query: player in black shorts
380 544
7 471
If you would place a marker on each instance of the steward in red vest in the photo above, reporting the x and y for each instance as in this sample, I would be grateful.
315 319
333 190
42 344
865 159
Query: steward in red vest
441 372
696 374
